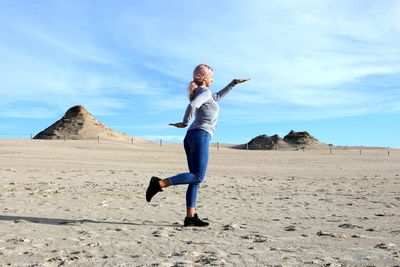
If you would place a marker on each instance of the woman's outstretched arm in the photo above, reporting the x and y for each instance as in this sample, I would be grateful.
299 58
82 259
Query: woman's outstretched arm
218 96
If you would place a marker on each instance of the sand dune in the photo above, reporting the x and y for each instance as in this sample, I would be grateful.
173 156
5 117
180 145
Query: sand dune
79 124
81 203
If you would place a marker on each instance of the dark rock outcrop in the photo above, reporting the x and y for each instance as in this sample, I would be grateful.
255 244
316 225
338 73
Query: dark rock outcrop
300 138
292 141
265 142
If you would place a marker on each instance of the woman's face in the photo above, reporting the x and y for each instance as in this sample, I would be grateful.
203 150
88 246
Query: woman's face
209 79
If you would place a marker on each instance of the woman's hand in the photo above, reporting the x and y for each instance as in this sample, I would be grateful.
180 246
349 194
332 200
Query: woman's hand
178 124
237 81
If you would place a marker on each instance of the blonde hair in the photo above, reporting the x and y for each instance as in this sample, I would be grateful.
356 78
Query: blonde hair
200 73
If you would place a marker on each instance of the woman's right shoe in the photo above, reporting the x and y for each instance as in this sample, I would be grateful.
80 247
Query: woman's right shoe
153 188
195 221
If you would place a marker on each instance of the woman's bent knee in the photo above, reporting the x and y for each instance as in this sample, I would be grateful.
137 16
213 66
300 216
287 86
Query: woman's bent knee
199 178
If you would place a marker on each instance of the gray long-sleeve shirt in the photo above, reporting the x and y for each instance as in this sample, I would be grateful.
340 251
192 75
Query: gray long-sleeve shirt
205 108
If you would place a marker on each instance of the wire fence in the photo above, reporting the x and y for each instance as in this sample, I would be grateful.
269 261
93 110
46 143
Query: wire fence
332 149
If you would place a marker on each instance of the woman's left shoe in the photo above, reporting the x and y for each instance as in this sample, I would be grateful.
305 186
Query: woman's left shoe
153 188
195 221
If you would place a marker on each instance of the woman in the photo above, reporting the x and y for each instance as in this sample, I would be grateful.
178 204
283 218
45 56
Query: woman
204 105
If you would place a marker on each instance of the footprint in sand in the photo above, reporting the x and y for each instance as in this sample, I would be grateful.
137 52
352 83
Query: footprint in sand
92 245
396 232
179 253
210 258
162 232
67 259
17 241
355 236
385 246
256 238
323 233
180 264
54 259
349 226
290 228
231 227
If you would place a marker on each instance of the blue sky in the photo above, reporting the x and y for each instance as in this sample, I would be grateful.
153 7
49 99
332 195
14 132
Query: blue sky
328 67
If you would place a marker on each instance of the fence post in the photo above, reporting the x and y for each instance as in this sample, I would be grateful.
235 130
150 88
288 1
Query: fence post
217 145
132 140
388 151
160 142
98 139
330 151
360 152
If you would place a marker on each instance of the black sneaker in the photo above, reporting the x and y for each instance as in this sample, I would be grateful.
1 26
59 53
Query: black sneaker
195 221
154 188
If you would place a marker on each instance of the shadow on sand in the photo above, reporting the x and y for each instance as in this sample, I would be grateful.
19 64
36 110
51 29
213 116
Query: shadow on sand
54 221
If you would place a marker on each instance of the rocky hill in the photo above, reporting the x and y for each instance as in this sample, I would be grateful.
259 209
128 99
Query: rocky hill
292 141
266 142
300 138
78 124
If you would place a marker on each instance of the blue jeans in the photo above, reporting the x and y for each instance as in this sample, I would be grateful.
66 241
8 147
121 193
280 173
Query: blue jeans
196 145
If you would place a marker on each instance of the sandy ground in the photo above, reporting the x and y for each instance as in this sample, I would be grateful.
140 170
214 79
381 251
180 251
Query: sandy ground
81 203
